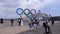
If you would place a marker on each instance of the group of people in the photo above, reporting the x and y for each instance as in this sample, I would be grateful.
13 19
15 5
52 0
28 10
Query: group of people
12 21
19 21
34 23
45 25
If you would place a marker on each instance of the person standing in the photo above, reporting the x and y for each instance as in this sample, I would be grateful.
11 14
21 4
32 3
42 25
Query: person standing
12 22
46 27
1 21
52 21
19 21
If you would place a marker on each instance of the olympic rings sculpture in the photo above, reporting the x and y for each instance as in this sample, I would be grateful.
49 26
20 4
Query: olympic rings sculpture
24 11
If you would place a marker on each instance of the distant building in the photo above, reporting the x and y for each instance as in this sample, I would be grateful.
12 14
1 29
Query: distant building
56 18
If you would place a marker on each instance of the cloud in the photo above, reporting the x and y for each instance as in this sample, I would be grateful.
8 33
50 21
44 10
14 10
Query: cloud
52 8
36 4
8 7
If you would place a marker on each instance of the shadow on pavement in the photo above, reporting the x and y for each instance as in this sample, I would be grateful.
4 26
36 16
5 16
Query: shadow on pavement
38 31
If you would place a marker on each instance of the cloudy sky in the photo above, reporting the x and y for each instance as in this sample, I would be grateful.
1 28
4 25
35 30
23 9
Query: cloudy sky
8 7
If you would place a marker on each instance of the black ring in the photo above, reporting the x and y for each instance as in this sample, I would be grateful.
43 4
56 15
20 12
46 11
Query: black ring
27 10
18 11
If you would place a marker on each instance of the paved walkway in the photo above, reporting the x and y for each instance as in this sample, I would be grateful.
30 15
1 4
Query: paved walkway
55 29
25 30
13 30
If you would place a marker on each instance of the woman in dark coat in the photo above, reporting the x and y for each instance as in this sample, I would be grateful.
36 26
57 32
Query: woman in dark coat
19 21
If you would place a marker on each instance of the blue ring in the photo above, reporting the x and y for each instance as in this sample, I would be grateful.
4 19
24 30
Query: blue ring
18 11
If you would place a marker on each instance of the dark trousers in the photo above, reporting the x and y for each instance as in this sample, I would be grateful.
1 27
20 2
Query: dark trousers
11 23
1 22
30 25
52 22
19 23
47 29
